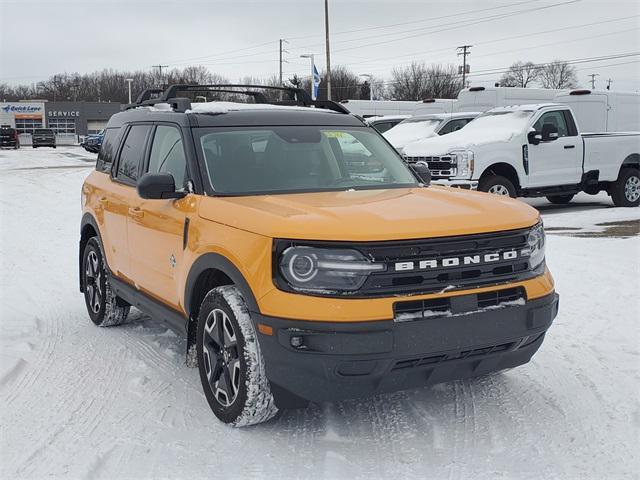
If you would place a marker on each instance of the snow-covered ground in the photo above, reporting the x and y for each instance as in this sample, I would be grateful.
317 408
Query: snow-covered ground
77 401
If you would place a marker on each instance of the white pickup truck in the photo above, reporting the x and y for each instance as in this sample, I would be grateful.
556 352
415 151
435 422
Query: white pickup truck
532 151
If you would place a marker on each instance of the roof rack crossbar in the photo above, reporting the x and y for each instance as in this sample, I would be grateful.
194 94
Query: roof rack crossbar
297 96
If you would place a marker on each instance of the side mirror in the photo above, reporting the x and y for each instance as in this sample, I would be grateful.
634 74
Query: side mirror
158 186
534 137
421 170
549 132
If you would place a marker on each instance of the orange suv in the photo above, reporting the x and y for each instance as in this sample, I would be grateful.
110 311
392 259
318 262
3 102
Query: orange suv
300 256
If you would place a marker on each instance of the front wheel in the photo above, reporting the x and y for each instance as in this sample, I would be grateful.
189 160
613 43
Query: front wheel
560 199
498 185
104 307
626 190
232 369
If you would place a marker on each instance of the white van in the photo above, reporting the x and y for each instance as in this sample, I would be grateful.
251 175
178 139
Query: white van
481 99
377 108
603 110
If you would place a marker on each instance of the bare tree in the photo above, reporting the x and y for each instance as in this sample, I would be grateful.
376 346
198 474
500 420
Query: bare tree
418 81
344 84
520 74
558 74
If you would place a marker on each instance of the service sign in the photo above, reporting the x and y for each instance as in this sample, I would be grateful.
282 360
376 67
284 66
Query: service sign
64 113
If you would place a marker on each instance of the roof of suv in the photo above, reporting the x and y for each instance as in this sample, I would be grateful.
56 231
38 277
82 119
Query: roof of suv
226 114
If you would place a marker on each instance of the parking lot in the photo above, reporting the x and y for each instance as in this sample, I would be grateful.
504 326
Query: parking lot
86 402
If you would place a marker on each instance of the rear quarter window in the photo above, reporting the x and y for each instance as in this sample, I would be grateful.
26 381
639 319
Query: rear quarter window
108 149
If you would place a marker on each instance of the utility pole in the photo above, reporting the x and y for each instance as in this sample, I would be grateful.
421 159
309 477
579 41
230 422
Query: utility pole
129 80
282 40
593 79
160 67
326 34
609 83
464 51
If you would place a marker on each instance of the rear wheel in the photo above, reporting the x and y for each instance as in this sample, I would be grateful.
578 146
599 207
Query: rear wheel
104 307
560 199
232 369
626 190
498 185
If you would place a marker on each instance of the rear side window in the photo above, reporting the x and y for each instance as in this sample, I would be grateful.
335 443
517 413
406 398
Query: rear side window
132 153
453 126
108 149
167 154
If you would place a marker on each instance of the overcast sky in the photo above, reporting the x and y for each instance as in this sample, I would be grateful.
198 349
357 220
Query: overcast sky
239 38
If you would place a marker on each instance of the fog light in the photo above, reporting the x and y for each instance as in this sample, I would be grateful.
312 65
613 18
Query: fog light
296 342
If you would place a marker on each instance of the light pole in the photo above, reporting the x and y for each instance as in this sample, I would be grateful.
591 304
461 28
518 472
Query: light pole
310 56
368 76
129 80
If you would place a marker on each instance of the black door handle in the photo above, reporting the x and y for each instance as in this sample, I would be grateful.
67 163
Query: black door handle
569 146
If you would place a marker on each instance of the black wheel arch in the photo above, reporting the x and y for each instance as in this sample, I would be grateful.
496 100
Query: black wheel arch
220 271
88 229
632 161
504 170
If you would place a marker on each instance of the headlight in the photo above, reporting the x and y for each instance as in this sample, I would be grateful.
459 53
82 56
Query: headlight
536 241
464 161
324 270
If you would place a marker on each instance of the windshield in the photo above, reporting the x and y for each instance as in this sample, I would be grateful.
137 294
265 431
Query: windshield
411 130
289 159
510 120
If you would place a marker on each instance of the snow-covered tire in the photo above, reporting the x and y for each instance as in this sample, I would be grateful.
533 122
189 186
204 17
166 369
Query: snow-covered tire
560 199
497 185
232 369
104 307
625 192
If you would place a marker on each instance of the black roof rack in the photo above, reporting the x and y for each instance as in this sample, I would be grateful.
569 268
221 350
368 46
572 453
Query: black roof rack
296 96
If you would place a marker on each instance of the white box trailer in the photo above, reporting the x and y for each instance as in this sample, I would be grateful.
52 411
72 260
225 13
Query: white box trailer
377 108
603 110
482 99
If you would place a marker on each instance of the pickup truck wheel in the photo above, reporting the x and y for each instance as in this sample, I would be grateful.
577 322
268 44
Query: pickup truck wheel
626 190
232 369
560 199
104 307
498 185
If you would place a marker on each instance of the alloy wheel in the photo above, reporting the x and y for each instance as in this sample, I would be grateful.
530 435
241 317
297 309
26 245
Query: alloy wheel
221 357
632 188
93 279
498 190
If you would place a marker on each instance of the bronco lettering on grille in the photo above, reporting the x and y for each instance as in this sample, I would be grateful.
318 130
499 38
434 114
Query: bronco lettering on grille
458 261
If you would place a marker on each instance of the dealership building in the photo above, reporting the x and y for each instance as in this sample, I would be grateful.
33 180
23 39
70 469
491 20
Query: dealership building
69 120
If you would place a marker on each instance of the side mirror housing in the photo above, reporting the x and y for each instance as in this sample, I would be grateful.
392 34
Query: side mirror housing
549 132
421 170
534 137
158 186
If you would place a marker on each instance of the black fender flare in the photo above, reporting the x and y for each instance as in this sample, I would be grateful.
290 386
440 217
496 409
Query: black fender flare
223 264
87 219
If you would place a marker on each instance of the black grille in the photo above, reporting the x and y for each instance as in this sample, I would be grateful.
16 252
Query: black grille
447 357
430 280
441 167
441 307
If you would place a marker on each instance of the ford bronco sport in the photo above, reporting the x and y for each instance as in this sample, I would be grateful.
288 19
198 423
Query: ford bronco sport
301 257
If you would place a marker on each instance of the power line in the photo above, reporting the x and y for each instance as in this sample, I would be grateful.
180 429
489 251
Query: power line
391 25
450 26
504 39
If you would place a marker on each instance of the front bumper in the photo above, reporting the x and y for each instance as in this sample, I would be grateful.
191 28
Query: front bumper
465 184
348 360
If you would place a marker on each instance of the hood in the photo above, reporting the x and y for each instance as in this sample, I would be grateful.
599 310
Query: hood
461 140
370 215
